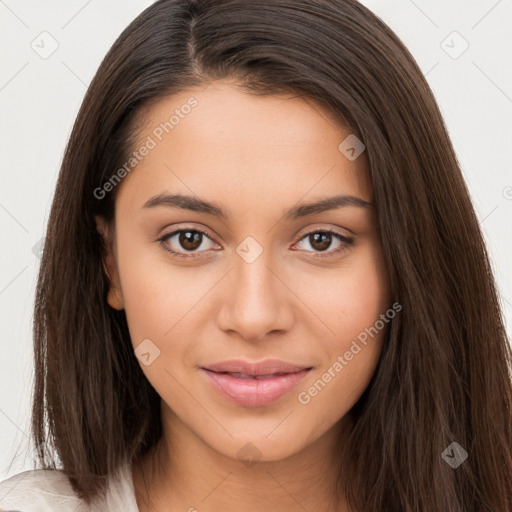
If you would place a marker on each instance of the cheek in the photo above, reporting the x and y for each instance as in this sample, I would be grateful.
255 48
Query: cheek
159 305
350 305
164 315
155 298
351 298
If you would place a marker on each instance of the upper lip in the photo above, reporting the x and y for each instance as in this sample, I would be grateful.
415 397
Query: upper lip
265 367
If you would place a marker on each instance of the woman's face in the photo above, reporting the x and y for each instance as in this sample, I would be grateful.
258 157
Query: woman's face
266 281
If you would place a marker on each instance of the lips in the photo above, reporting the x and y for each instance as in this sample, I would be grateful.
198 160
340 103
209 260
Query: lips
254 384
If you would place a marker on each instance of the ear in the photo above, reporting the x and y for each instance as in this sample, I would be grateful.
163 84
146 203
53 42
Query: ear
115 295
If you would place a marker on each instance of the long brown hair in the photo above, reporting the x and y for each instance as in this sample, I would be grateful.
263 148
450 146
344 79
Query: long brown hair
444 375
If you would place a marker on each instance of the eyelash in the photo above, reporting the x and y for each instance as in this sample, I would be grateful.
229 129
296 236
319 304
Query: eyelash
345 242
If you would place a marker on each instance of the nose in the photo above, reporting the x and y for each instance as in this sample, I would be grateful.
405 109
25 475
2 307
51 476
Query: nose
255 300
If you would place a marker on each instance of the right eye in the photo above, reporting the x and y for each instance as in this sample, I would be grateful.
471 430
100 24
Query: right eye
181 241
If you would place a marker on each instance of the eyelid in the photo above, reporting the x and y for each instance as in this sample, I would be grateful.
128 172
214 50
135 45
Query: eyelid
177 229
329 229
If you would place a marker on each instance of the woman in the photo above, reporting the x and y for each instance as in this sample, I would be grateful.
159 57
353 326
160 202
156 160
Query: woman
263 283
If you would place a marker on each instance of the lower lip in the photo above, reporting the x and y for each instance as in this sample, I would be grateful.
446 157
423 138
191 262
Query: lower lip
254 392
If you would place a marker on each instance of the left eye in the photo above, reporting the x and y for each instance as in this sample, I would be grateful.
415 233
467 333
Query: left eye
190 240
321 240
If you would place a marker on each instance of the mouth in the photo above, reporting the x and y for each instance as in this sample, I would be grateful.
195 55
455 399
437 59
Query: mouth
258 385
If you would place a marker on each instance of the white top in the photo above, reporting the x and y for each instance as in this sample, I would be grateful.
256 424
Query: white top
48 490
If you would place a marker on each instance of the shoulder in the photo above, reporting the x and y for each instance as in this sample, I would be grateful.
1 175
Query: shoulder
49 490
39 490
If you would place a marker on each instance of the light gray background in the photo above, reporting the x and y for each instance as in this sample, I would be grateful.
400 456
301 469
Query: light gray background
40 97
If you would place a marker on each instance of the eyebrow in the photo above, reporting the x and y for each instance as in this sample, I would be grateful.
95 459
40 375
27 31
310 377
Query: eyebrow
296 212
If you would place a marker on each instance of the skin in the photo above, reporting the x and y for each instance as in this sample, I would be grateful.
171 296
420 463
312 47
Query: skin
255 157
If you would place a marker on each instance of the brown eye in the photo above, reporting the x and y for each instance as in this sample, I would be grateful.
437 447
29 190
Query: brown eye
183 241
321 240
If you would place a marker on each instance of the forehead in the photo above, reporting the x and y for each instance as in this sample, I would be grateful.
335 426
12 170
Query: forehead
221 141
